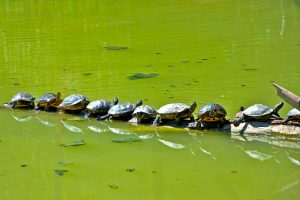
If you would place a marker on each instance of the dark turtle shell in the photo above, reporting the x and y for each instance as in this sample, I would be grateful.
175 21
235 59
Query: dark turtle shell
172 110
121 110
49 100
100 107
22 100
294 114
212 113
145 109
22 96
74 102
144 112
257 111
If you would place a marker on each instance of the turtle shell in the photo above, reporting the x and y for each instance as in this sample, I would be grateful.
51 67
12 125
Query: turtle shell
22 100
294 114
212 112
22 96
170 111
47 98
145 109
258 111
120 110
99 107
74 102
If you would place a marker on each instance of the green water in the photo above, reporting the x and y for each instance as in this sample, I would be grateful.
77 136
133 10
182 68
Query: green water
226 52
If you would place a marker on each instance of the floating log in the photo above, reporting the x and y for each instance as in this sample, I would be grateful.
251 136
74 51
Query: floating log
288 96
279 130
282 131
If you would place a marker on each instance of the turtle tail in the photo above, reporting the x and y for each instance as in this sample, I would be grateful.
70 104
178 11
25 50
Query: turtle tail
277 108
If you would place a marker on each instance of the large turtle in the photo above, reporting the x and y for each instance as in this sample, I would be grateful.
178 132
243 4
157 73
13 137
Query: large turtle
258 112
121 111
293 115
175 111
21 100
210 115
99 107
48 101
143 113
74 102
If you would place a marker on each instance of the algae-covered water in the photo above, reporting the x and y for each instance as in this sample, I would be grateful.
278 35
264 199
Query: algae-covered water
227 52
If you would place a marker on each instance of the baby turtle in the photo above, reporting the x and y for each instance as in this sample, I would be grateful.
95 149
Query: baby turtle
21 100
121 111
99 107
175 111
143 113
74 102
258 112
211 115
48 101
293 115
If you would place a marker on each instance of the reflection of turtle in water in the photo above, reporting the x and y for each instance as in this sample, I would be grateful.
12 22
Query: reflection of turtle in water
99 107
21 100
258 112
143 113
49 101
293 115
121 111
211 115
74 102
175 111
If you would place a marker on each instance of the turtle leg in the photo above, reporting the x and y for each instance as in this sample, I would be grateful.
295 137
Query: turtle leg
178 120
103 117
139 119
157 120
192 117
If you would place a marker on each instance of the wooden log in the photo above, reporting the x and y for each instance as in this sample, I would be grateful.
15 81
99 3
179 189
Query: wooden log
282 131
254 128
288 96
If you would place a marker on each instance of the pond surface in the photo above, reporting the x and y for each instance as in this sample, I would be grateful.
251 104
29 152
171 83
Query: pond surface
227 52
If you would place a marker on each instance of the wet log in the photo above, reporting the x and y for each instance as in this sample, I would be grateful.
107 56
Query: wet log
291 132
288 96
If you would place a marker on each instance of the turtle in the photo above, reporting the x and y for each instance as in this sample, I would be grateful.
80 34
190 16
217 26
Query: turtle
21 100
143 113
258 112
74 102
210 115
48 101
175 111
99 107
293 115
121 111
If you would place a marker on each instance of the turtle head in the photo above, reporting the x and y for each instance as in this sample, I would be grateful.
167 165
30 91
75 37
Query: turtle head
278 107
116 100
193 106
140 102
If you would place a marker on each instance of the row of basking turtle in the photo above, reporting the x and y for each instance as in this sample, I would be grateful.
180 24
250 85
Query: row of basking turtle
209 116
